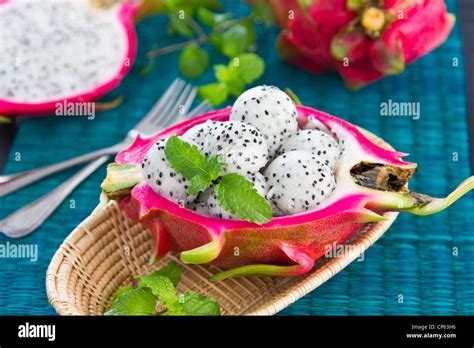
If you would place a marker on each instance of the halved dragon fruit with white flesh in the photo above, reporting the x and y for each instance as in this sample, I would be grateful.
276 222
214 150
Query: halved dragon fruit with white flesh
62 50
329 206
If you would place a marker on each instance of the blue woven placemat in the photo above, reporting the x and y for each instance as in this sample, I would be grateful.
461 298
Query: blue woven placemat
423 265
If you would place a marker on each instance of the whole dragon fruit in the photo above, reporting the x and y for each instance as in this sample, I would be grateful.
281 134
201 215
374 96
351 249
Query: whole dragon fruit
56 51
364 40
328 208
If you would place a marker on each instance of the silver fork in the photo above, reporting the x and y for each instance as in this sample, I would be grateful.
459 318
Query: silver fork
27 219
178 95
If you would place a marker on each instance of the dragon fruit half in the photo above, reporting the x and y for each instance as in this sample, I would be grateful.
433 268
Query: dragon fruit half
54 51
364 40
328 205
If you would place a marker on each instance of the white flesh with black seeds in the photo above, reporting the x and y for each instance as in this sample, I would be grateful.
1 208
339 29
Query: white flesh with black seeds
215 210
320 144
242 145
298 182
162 178
271 111
51 50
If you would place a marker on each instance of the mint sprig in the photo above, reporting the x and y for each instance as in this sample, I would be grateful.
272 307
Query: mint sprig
233 77
234 192
133 302
238 196
158 290
203 28
194 166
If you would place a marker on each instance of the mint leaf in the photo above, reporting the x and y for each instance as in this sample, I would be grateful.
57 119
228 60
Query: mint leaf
222 73
193 61
248 66
238 196
132 301
179 26
216 93
171 271
185 158
241 70
210 18
161 287
199 183
196 304
234 40
215 165
194 166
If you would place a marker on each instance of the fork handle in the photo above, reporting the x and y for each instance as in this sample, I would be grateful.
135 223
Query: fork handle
13 182
27 219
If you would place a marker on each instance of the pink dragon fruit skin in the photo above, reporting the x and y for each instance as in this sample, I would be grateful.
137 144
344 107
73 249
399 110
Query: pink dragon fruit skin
414 29
288 245
125 15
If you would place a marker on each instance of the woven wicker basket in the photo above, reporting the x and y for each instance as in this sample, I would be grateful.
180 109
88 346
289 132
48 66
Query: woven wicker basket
107 249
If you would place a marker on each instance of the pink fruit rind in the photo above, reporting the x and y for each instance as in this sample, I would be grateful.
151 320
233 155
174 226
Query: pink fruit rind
285 246
125 14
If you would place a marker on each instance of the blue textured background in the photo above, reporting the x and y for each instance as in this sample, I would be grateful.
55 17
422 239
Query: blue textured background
414 259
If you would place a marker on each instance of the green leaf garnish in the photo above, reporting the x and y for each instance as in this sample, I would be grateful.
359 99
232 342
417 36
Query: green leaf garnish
241 70
171 271
238 196
216 93
248 66
185 158
193 61
133 302
162 288
179 26
234 193
234 40
159 287
199 183
196 304
233 37
190 163
210 18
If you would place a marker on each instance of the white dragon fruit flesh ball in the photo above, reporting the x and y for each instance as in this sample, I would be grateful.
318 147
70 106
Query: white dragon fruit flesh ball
159 175
271 111
298 182
199 135
242 145
319 143
215 210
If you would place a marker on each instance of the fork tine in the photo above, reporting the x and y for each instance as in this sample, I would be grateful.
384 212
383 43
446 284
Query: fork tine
167 107
184 101
159 104
202 108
